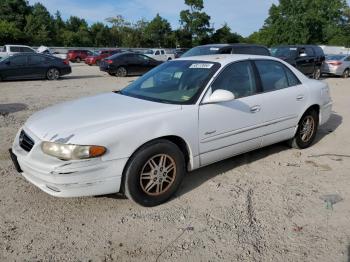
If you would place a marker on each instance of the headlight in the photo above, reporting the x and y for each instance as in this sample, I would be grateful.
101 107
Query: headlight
72 152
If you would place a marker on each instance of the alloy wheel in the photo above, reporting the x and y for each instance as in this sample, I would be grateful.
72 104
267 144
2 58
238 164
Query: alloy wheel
158 174
53 74
121 72
307 128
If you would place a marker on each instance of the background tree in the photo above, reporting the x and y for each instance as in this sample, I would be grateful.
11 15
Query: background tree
158 32
39 26
195 23
224 35
302 22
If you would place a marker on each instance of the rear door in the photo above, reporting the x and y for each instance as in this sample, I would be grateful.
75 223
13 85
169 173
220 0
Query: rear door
283 100
37 66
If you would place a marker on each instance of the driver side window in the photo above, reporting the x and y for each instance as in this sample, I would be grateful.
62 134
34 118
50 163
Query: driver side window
237 78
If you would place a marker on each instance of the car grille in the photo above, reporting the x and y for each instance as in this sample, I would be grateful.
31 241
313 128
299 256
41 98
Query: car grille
25 141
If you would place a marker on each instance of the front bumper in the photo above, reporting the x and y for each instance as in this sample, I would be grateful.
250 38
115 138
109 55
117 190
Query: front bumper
68 178
333 70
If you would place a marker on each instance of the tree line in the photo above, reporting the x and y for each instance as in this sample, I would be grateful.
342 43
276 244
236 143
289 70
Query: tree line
289 22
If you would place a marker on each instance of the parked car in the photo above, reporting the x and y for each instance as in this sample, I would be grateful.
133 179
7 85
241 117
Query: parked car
307 59
160 54
127 63
338 65
96 58
214 49
14 49
182 115
47 51
33 66
78 55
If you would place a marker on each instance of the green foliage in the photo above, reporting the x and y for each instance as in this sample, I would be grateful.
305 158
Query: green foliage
195 23
39 26
9 32
304 22
34 25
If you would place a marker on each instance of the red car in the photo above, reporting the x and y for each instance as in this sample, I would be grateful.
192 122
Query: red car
78 55
96 59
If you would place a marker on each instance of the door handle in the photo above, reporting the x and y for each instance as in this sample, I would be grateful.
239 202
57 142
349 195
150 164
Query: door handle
255 109
300 97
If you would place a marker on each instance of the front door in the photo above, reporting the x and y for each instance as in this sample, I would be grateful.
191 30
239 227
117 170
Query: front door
17 68
230 128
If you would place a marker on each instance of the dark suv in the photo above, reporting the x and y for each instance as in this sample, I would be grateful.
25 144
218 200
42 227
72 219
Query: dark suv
78 55
213 49
307 59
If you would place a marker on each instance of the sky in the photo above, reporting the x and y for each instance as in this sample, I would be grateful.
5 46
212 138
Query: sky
243 16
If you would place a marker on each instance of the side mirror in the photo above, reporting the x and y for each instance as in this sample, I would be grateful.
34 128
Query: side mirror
302 55
219 95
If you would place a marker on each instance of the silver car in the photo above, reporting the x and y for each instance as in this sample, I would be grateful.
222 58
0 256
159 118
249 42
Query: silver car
337 65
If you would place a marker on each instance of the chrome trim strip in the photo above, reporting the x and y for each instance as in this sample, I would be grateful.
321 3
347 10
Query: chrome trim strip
246 140
245 129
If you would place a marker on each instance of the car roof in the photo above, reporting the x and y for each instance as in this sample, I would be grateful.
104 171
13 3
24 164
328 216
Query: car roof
225 59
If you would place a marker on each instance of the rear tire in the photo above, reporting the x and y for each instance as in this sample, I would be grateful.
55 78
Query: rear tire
121 72
317 73
346 73
306 132
52 74
154 173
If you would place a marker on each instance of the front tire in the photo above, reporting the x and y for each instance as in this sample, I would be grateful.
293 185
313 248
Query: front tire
78 60
346 73
52 74
121 72
306 132
154 173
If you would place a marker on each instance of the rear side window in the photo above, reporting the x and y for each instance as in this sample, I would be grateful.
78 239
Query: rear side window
27 49
272 74
19 60
162 52
292 79
237 78
309 51
36 60
15 49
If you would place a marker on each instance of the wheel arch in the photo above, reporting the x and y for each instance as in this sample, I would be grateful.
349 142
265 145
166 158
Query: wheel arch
177 140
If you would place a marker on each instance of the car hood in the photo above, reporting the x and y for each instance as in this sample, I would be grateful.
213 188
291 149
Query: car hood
92 114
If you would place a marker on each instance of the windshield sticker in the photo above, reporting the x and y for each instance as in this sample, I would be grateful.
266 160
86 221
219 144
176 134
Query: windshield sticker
201 66
185 98
214 48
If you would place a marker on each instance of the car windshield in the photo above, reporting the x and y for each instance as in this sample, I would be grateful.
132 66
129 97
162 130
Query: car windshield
282 52
176 82
335 57
202 50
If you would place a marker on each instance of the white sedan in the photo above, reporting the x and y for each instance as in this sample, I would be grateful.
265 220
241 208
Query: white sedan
180 116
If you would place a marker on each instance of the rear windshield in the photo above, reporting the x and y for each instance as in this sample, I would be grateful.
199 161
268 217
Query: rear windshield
202 50
251 50
335 57
284 52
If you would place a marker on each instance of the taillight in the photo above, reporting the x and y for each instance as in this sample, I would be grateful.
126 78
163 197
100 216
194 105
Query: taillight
108 61
66 61
335 63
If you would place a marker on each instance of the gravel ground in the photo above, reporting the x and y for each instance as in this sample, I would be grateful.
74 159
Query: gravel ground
273 204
